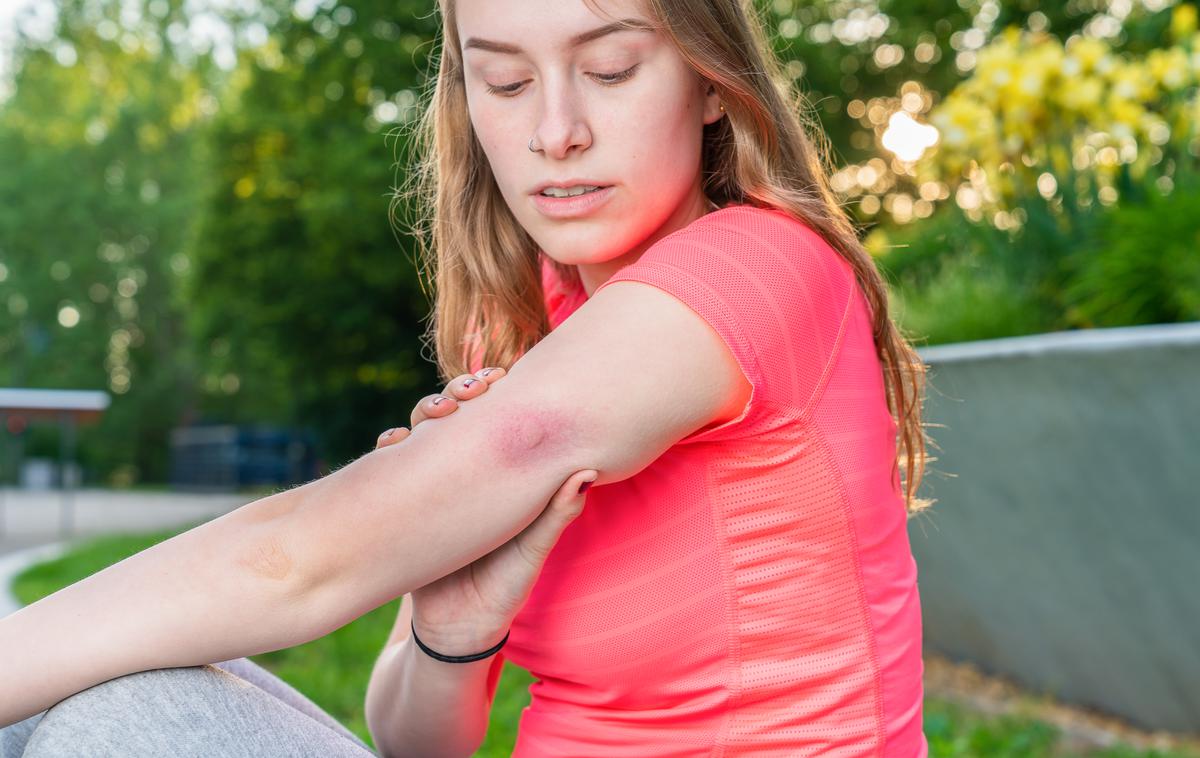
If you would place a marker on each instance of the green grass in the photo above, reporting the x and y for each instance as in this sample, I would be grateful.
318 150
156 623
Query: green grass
333 672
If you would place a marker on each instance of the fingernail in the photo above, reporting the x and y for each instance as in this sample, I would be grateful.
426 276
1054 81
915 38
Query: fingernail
438 399
485 372
388 433
469 382
584 487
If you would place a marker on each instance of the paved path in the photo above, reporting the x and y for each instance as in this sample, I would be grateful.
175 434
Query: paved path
31 522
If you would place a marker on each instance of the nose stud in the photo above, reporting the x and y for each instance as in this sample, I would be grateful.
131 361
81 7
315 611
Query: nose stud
530 145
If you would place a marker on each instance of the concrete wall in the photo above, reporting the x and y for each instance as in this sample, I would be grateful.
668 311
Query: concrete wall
1064 549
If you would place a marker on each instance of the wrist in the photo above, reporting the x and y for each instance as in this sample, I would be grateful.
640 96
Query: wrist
470 647
418 660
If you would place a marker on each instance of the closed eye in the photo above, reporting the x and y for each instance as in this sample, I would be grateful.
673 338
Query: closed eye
508 90
616 78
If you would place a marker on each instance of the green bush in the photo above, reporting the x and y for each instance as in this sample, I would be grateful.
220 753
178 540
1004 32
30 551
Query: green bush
1132 262
1143 266
956 281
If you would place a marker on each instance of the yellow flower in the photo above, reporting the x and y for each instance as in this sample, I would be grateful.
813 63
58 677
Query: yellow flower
1169 68
1083 96
1088 54
1032 104
1126 115
1132 80
963 122
1183 21
995 67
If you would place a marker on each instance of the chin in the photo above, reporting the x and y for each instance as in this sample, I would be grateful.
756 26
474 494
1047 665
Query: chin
571 256
574 245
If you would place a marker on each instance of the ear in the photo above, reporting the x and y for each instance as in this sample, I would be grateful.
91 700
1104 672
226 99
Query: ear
712 104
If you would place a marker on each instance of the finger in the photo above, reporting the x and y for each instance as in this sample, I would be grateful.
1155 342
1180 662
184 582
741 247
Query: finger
568 501
540 537
392 436
465 387
492 374
585 481
431 406
461 387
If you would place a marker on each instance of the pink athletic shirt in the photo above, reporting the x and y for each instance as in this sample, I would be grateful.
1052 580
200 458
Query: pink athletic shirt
752 592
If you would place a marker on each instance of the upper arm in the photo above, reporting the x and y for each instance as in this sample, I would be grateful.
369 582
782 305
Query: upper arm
635 370
632 372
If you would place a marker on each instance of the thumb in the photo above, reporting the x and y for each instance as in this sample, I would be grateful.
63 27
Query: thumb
540 537
568 502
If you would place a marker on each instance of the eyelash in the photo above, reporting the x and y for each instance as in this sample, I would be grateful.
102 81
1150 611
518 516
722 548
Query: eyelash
607 80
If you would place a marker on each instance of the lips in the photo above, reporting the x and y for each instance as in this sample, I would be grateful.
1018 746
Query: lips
561 208
569 183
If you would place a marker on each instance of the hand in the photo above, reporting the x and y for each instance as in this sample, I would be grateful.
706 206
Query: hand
444 403
471 610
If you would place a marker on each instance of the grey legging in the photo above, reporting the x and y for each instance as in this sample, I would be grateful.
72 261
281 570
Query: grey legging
232 709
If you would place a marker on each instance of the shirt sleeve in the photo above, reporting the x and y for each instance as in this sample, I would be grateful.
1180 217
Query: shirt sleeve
774 290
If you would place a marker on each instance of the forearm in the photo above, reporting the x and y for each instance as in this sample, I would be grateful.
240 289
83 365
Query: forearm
186 601
419 706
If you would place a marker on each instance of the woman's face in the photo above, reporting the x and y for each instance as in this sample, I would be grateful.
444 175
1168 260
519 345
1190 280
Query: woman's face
620 110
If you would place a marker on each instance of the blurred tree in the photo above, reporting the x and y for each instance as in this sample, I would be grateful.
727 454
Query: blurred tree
329 314
101 148
851 55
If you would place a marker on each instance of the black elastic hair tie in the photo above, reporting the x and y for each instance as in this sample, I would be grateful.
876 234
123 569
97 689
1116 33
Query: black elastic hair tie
458 658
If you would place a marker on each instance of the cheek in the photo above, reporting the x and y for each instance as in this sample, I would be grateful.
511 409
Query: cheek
483 125
497 143
667 136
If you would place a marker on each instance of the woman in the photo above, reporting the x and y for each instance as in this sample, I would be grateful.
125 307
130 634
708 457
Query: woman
693 327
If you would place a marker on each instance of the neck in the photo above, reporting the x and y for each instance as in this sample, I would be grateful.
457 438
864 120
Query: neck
592 275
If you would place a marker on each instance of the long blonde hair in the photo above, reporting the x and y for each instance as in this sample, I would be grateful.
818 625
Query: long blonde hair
484 268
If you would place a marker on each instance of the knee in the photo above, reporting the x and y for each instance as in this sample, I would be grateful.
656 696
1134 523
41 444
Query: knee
132 691
112 714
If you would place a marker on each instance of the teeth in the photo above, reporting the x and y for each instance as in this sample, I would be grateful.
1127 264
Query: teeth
568 191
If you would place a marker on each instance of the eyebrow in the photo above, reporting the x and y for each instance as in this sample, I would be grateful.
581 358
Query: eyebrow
625 24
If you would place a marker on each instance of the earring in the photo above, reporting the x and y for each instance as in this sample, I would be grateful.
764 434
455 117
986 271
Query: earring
722 107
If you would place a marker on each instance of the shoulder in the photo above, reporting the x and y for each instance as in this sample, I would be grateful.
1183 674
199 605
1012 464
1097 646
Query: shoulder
753 263
775 291
761 240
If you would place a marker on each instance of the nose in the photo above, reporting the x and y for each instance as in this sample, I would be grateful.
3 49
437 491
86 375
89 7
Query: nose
563 123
